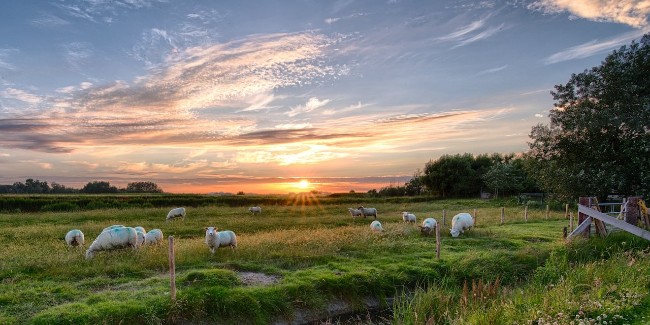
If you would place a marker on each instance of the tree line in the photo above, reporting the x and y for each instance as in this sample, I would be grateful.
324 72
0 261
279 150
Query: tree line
35 186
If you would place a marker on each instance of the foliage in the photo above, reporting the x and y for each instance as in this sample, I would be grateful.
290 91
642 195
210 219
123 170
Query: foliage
97 187
143 187
598 140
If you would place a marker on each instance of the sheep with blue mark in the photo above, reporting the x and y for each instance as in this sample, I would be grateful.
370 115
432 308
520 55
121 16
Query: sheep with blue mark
113 238
428 226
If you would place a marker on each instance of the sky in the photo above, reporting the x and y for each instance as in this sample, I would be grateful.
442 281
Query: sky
254 96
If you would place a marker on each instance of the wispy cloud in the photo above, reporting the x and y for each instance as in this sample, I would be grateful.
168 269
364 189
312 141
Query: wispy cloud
593 47
311 105
492 70
630 12
471 33
49 21
21 95
5 57
77 53
99 10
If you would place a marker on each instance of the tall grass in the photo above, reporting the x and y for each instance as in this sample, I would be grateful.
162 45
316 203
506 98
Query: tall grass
317 251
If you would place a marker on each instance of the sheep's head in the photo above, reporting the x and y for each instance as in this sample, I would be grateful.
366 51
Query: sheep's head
454 232
404 213
211 231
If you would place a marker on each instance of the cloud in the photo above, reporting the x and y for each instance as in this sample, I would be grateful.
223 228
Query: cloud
593 47
311 105
4 59
49 21
471 33
630 12
493 70
174 103
77 53
21 95
99 10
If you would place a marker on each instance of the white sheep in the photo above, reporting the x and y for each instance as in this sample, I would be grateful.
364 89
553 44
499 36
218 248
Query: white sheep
376 226
75 237
408 217
113 227
141 229
141 237
460 223
355 212
365 212
215 239
255 210
428 225
114 238
176 213
153 237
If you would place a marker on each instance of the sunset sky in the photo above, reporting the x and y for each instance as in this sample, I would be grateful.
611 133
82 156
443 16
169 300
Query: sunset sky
253 96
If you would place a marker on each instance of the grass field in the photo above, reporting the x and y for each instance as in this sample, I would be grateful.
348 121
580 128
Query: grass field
317 254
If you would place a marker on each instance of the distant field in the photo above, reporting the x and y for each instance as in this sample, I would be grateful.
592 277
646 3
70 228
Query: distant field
310 254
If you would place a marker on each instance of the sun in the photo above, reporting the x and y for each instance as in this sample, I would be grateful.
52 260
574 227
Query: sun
303 184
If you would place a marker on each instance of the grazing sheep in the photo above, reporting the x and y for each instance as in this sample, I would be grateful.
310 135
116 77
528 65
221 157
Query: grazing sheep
141 237
255 210
460 223
153 237
355 212
215 239
376 226
428 225
176 213
75 237
408 217
141 229
365 212
115 238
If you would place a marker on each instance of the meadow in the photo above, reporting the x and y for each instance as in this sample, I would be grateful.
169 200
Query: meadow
308 255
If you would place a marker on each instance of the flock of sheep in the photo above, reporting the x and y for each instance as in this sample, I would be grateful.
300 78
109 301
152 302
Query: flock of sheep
119 236
459 223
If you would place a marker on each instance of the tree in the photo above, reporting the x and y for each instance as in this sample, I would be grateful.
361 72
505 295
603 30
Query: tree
452 176
143 187
96 187
501 176
598 140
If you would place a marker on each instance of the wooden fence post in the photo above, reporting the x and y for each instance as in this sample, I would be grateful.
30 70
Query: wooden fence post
632 210
444 217
475 214
564 232
172 270
571 221
438 241
547 211
566 211
526 213
503 214
586 201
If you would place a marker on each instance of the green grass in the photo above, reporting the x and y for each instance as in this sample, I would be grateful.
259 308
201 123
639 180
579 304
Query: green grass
317 251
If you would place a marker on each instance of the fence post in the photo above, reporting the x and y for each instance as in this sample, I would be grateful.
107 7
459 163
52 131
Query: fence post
566 211
526 213
172 269
547 211
564 232
444 217
437 241
503 214
586 201
475 214
571 221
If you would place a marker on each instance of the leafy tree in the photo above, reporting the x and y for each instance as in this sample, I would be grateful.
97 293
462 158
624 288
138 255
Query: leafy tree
452 176
502 176
96 187
598 140
143 187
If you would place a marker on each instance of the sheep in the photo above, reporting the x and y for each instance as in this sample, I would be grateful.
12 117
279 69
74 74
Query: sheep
408 217
113 227
255 210
153 237
176 213
428 225
376 226
368 212
141 237
115 238
75 237
355 212
215 239
141 229
460 223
